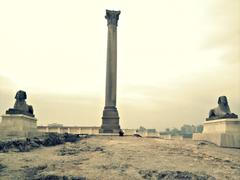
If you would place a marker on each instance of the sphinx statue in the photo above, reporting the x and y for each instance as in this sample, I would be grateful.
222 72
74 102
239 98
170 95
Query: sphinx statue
222 111
20 106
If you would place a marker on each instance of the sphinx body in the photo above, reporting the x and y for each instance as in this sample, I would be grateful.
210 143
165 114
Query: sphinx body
222 111
20 106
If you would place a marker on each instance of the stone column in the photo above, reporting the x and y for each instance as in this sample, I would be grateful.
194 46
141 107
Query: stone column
110 119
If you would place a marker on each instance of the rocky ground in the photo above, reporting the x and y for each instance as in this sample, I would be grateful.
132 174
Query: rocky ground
27 144
113 157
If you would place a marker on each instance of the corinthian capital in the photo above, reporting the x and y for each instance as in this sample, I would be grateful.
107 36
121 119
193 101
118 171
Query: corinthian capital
112 17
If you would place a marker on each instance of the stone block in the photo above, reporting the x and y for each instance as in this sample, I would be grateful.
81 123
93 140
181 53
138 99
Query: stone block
222 132
18 125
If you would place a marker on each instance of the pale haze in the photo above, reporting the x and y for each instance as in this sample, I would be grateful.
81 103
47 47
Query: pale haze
175 58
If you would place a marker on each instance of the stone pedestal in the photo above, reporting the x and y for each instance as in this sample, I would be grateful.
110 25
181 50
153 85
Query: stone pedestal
18 125
222 132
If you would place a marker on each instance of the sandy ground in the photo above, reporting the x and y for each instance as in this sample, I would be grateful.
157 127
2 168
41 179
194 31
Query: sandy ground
113 157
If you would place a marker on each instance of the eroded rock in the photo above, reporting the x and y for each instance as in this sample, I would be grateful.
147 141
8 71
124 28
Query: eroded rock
2 167
30 173
49 139
169 175
55 177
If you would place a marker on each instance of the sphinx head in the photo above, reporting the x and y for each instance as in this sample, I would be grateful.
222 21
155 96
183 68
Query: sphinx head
222 100
21 95
223 104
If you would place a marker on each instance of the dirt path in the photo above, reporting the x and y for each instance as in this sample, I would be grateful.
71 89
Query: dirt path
105 157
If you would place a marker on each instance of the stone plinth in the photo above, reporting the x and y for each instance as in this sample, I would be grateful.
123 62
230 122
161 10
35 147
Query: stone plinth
222 126
18 125
222 132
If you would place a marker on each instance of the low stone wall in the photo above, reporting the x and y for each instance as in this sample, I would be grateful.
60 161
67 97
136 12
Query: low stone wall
129 132
166 136
91 130
152 134
70 129
170 137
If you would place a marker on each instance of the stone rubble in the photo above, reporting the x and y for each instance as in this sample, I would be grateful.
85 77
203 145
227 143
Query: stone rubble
48 139
178 175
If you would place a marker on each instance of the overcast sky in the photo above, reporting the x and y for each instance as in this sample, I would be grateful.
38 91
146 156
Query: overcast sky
175 57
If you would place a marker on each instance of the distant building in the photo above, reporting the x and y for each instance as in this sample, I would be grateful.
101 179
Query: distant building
55 125
147 132
151 130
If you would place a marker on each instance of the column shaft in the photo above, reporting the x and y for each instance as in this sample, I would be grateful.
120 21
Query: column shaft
111 76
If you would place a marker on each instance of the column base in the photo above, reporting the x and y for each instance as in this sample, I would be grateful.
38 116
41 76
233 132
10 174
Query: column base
110 120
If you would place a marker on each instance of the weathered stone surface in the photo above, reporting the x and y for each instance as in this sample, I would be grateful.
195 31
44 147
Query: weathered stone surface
20 106
222 111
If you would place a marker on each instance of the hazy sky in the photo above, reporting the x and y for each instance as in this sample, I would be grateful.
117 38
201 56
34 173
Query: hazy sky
175 57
